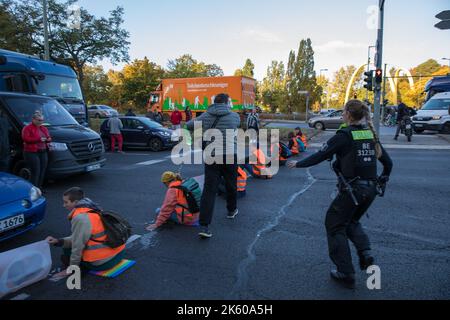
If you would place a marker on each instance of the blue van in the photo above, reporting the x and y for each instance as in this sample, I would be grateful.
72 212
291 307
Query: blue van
29 74
437 85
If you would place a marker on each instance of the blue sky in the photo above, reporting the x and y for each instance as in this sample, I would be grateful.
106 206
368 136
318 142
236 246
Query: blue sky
228 32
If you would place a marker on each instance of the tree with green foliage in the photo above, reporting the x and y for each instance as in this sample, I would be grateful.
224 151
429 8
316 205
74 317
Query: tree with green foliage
96 85
93 40
187 67
273 91
247 71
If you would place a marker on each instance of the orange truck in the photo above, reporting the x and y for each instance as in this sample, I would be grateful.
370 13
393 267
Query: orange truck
199 93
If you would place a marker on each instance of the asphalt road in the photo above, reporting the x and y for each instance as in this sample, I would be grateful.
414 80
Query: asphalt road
276 247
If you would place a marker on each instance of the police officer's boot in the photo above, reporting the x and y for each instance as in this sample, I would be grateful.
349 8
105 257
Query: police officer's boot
365 259
345 279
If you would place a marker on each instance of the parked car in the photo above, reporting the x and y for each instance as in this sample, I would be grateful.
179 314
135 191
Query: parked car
332 120
141 132
101 111
22 206
434 114
74 149
324 112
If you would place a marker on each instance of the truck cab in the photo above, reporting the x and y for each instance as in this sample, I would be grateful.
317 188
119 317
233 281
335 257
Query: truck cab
29 74
437 85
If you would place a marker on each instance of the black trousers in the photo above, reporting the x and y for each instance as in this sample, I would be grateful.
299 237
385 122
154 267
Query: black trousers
213 174
342 223
37 161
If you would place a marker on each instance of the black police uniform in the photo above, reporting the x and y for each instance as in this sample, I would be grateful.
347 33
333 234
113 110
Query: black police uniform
354 147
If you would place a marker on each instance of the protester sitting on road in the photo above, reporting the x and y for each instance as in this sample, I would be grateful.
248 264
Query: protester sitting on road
283 150
295 144
175 207
299 134
258 170
83 248
241 184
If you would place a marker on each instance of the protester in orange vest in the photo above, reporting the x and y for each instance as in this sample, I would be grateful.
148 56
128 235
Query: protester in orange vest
293 144
259 169
175 205
83 248
299 134
282 156
241 184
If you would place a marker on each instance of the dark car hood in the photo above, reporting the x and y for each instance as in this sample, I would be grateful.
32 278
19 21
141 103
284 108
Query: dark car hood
67 134
13 188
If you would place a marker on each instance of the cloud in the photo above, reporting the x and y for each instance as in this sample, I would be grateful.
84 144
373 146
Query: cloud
262 36
338 45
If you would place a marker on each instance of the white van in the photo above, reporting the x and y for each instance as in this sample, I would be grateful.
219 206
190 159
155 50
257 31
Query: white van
434 114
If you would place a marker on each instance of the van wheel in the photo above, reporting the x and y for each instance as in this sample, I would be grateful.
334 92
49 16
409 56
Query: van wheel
319 126
155 144
22 170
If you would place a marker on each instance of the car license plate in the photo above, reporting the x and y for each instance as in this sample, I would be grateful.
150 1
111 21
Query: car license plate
408 126
93 167
12 223
418 125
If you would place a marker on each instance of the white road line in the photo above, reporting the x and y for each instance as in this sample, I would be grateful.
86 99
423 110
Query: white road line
181 156
149 163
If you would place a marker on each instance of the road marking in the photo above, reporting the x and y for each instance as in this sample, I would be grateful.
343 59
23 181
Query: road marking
149 163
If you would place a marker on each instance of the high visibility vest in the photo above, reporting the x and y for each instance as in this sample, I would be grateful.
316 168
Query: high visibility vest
295 147
260 164
241 180
304 140
281 158
182 207
95 250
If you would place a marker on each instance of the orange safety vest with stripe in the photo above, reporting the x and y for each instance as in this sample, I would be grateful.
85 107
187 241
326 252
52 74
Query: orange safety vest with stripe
304 140
241 180
260 164
295 147
182 207
95 250
281 158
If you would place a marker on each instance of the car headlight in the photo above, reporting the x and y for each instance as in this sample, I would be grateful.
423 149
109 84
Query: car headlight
57 146
437 117
164 133
35 194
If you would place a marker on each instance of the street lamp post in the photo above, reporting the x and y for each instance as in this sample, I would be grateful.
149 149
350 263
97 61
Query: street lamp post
378 63
368 68
46 46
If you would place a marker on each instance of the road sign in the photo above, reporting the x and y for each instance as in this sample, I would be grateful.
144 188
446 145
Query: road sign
445 17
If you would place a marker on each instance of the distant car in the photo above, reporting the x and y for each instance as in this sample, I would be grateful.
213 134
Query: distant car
141 132
324 112
22 206
101 111
434 114
332 120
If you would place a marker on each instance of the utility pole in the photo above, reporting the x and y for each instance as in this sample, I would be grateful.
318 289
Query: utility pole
378 63
384 91
368 68
46 46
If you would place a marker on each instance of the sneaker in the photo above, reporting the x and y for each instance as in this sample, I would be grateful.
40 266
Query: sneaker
365 260
346 280
232 215
205 233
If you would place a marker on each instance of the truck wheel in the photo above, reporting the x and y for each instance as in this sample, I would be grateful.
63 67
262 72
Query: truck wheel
22 170
155 144
319 126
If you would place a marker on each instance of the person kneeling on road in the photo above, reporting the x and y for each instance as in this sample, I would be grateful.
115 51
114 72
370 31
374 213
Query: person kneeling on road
176 206
241 184
84 247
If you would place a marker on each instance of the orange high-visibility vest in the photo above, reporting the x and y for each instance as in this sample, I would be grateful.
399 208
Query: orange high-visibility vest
295 147
281 158
182 207
94 250
304 140
241 180
260 164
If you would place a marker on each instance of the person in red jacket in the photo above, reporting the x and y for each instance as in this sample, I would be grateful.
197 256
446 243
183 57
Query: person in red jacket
35 148
176 118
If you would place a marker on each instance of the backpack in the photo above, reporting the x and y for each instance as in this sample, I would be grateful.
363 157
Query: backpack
193 193
301 145
285 151
117 229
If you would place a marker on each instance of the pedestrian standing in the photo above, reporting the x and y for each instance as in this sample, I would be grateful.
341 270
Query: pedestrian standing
176 118
35 139
357 149
218 116
188 114
115 127
4 142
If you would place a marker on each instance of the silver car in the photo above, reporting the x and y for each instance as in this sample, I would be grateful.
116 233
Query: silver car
333 120
101 111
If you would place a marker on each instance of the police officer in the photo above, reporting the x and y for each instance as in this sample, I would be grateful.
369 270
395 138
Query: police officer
357 149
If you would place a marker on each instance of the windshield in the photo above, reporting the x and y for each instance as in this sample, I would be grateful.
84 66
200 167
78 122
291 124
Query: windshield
54 114
437 104
61 87
150 123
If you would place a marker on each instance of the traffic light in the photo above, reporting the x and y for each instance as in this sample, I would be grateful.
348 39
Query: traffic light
378 76
368 79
